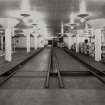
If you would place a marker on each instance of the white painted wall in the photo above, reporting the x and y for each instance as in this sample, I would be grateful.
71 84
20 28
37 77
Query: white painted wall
21 42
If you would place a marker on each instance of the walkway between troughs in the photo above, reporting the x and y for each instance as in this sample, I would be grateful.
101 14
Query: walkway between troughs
20 57
88 60
26 87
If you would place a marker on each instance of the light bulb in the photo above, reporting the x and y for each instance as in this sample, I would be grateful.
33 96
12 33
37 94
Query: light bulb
72 27
82 20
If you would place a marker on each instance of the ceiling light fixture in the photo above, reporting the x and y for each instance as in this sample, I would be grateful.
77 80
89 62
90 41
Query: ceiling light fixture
72 23
25 8
83 12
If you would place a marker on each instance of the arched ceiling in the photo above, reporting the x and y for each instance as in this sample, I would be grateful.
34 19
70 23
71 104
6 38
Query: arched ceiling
56 11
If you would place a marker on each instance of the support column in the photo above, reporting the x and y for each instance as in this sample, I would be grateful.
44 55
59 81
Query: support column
98 45
2 43
62 30
35 42
8 44
69 42
13 41
42 42
14 45
28 40
38 43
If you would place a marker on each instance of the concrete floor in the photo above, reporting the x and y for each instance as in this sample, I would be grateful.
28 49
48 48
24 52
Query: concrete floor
67 62
26 87
17 58
32 74
88 60
52 97
38 63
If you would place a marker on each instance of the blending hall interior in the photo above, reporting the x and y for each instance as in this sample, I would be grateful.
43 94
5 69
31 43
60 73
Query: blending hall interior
52 52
